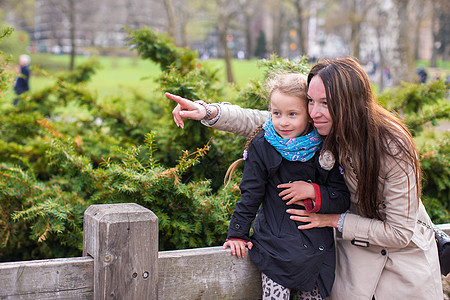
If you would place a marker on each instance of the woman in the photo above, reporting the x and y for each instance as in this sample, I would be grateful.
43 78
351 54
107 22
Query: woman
382 252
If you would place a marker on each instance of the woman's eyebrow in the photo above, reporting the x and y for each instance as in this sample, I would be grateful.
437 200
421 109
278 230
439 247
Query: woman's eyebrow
323 98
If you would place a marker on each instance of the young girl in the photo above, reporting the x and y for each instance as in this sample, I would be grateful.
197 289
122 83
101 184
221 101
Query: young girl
287 150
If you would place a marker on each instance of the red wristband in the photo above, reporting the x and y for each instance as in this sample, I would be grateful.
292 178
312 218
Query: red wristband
310 208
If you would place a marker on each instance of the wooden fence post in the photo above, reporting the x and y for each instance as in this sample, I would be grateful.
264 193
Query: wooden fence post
123 240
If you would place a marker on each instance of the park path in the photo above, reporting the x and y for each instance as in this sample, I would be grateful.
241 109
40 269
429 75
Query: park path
444 125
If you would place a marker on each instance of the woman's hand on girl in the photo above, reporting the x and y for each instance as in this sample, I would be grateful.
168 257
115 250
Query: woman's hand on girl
313 220
238 247
186 109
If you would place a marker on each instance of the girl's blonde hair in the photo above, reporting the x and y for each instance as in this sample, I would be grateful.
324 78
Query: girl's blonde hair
291 84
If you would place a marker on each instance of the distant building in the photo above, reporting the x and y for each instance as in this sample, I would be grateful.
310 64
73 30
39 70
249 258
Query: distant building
98 23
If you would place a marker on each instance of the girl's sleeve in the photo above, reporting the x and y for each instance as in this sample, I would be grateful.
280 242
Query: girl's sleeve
252 187
399 205
238 120
332 197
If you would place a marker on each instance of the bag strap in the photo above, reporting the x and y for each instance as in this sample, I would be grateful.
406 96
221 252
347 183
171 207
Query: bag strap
434 228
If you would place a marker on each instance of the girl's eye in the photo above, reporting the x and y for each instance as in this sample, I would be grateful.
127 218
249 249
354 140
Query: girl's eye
293 114
309 100
276 113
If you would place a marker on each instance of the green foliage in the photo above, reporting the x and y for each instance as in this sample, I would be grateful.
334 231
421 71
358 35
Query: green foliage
16 43
421 105
418 103
82 73
276 64
5 77
255 95
55 164
435 160
160 48
189 216
182 74
185 211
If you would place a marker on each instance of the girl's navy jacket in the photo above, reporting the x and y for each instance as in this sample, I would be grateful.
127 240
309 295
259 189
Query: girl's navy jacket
296 259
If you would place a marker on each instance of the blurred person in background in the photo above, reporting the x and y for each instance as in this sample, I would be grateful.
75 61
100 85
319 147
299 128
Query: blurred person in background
21 84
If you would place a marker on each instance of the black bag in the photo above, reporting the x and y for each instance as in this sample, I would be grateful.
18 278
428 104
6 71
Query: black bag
443 244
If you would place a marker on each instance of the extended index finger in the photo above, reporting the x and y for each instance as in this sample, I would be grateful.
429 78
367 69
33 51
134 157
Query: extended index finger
178 99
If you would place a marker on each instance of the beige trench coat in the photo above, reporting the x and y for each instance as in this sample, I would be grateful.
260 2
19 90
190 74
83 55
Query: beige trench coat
400 260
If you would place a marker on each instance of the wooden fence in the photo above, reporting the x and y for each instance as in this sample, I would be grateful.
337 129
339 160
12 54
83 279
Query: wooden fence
121 261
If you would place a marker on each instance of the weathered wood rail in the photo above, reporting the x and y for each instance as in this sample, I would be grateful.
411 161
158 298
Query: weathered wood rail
121 261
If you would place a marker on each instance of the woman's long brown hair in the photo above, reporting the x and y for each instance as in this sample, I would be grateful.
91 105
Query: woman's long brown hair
363 132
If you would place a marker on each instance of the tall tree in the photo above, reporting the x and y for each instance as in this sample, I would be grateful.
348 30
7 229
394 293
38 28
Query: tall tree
168 4
278 15
378 21
403 64
421 12
249 9
347 19
178 15
302 16
261 50
19 13
71 13
445 30
135 13
440 30
228 11
67 9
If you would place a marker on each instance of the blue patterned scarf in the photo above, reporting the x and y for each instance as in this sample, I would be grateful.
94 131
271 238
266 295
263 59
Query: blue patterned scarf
301 148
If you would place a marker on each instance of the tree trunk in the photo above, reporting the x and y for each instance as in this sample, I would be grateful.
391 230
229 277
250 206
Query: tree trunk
171 19
403 64
277 30
183 35
223 29
230 77
301 37
382 63
72 22
355 29
434 33
248 36
419 16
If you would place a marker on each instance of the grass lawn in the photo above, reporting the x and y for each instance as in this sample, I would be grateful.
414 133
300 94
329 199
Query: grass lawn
122 75
117 76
